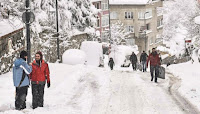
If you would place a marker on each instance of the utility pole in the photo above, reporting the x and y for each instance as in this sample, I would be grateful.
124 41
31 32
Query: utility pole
27 7
57 30
109 20
145 38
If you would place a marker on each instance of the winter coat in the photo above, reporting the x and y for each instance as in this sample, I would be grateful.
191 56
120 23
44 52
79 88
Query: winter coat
111 63
133 58
40 73
154 60
19 67
143 57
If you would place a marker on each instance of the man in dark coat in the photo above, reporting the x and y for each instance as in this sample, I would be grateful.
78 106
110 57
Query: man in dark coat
143 60
111 63
154 64
133 59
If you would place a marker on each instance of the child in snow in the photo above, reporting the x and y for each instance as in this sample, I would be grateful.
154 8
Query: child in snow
111 63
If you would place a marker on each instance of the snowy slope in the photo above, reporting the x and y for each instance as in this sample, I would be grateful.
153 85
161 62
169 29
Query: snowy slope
84 89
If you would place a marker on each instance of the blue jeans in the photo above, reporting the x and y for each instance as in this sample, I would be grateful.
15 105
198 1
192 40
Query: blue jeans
144 66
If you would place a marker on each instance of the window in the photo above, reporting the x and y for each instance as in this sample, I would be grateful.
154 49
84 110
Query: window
104 6
113 15
130 29
97 5
105 21
128 15
151 41
98 22
147 14
159 22
148 26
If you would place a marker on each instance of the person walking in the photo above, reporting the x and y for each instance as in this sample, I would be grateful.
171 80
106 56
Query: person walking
111 63
154 64
21 70
38 80
134 60
143 60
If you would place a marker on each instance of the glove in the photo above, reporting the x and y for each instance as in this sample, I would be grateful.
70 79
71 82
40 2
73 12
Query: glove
48 84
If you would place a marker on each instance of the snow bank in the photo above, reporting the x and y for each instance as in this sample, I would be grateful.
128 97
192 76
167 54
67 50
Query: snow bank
190 79
93 52
74 56
119 52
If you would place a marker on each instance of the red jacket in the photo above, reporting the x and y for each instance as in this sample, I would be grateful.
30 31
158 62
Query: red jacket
40 72
154 60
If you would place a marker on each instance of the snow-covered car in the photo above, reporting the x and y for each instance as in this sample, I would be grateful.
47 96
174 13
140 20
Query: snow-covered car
127 62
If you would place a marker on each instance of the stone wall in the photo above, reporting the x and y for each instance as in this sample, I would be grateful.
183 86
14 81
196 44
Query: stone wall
10 46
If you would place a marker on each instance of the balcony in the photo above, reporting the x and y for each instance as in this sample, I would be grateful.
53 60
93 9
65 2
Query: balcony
158 3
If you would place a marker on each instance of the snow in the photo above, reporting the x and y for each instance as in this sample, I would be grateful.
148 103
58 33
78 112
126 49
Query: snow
93 52
8 26
118 53
73 57
197 20
190 79
136 2
81 89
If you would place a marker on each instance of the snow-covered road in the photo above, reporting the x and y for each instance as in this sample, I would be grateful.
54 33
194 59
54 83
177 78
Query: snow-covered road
90 90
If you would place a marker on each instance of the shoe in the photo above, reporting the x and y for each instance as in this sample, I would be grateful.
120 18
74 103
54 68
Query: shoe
151 79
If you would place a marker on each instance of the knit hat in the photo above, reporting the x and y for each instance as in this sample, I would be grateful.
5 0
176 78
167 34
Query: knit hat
23 54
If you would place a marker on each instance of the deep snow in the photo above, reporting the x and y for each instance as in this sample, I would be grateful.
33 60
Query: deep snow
84 89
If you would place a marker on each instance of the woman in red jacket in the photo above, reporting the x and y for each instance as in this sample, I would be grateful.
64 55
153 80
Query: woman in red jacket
154 64
40 73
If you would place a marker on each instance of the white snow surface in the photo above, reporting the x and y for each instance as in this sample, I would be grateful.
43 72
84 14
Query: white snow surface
73 57
82 89
93 52
189 75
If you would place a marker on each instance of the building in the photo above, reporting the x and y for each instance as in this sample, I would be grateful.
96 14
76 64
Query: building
102 26
142 18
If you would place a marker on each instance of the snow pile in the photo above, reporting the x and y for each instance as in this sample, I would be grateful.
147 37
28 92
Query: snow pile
73 57
93 52
119 52
190 79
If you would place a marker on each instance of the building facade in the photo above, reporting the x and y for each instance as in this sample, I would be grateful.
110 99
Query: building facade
144 21
102 25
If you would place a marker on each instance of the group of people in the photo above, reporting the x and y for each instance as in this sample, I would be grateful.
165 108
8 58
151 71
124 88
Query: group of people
153 58
35 73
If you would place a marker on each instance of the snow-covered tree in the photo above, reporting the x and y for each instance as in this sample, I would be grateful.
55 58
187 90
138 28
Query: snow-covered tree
118 32
77 15
178 23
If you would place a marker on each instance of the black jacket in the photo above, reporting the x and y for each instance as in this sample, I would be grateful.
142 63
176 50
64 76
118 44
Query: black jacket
143 57
133 58
111 63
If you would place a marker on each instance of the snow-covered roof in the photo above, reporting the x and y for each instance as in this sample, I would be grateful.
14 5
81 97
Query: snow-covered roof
8 26
129 2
